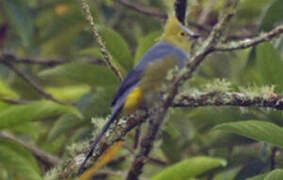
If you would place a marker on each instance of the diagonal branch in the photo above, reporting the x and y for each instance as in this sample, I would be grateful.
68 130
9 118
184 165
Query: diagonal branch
115 134
143 9
46 62
119 131
158 114
23 75
48 159
242 44
104 51
229 99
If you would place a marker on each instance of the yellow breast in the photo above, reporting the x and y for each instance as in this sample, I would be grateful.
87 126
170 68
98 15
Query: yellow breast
149 86
133 101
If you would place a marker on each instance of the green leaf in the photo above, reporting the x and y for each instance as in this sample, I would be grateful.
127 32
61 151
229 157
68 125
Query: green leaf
146 43
251 168
189 168
63 125
28 127
4 106
68 93
18 114
6 92
18 160
97 104
270 18
81 72
273 16
248 12
269 65
274 175
117 46
258 130
21 20
93 51
258 177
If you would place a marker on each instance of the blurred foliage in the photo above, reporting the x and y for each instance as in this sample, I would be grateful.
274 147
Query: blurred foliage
57 29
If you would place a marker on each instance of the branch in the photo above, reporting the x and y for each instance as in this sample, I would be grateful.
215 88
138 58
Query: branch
246 43
119 131
143 9
146 10
46 62
13 101
104 51
23 75
45 157
228 99
158 114
115 133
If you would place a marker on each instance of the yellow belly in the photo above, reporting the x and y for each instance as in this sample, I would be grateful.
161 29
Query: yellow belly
133 101
149 86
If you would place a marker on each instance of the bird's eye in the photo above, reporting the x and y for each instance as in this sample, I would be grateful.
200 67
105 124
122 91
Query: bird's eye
182 33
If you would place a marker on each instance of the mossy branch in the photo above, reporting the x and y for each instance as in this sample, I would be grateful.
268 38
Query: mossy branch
158 114
210 45
47 159
104 51
29 80
246 43
115 133
237 99
43 62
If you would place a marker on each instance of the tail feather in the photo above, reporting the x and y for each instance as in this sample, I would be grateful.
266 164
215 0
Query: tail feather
100 136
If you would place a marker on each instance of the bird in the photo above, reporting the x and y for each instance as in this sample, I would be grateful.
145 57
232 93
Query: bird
143 83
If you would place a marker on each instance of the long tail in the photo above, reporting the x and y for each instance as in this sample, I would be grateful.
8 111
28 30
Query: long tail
99 137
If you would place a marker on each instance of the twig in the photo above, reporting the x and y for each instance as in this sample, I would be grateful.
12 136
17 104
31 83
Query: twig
13 101
228 99
104 51
119 131
242 44
146 10
157 116
137 137
157 161
114 134
48 159
143 9
46 62
37 87
204 14
106 172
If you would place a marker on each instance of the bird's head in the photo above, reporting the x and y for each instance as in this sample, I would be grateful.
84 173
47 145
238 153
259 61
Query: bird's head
178 34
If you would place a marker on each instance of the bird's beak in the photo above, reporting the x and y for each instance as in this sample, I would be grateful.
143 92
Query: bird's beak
191 33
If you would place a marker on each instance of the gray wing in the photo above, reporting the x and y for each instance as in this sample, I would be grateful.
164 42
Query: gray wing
157 52
131 80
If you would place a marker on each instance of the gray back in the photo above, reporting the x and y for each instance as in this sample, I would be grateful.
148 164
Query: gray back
156 53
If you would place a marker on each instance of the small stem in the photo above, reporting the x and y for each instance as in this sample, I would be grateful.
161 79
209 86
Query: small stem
30 81
243 44
137 137
228 99
104 51
48 159
45 62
